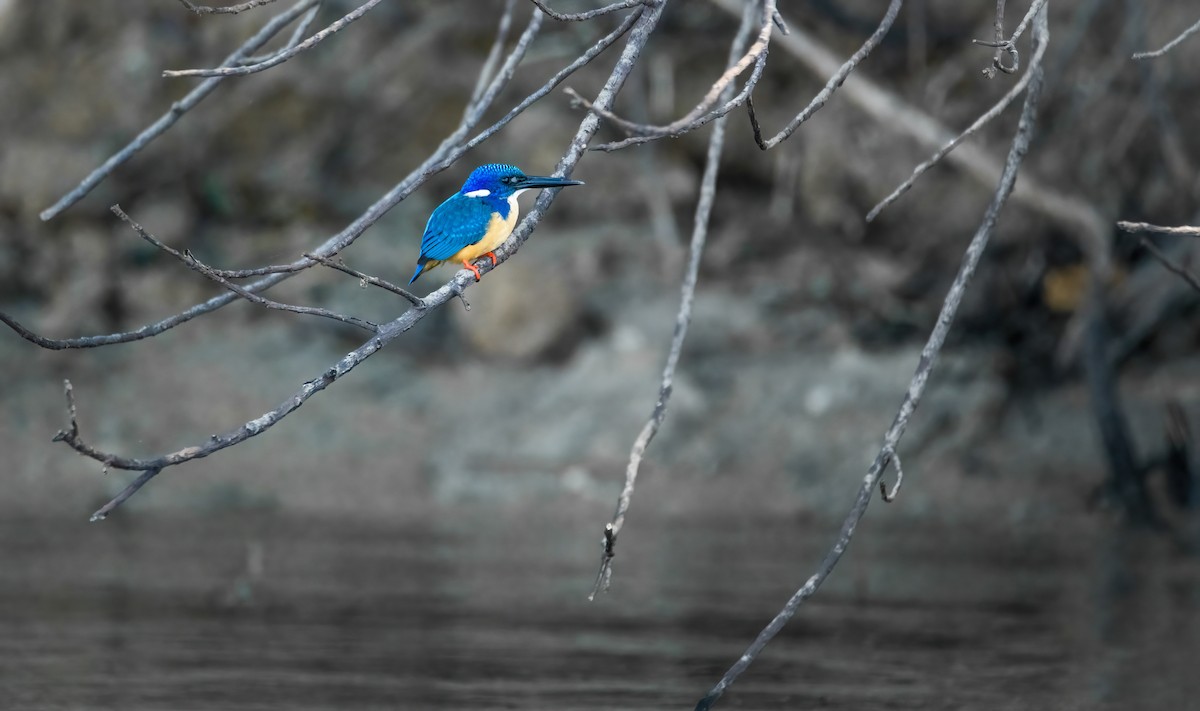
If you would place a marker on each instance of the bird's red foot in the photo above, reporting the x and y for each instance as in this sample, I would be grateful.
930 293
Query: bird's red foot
491 256
473 268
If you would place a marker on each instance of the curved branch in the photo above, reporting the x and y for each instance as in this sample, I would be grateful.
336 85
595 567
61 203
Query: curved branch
937 338
280 57
178 109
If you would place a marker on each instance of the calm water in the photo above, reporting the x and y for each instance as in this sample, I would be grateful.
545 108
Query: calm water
485 610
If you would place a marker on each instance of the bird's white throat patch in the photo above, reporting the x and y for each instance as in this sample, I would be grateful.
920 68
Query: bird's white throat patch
483 192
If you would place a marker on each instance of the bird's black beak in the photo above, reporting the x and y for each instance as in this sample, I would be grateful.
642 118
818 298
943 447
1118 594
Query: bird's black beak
538 181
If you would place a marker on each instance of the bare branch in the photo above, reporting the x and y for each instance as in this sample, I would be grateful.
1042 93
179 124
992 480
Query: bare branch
280 57
178 109
1185 231
367 278
461 281
704 203
979 123
228 10
831 86
1170 45
1020 145
578 16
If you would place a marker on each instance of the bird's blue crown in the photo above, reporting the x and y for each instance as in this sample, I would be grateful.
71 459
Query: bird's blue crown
498 178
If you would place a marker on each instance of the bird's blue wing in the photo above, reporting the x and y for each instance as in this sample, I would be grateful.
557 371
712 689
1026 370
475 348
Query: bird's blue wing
456 223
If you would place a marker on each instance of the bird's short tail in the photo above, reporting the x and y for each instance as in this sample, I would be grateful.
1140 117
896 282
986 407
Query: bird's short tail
420 268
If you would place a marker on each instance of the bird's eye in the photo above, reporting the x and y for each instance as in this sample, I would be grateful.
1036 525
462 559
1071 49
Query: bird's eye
511 180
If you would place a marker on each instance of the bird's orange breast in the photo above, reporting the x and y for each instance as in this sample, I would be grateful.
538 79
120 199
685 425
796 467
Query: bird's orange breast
498 230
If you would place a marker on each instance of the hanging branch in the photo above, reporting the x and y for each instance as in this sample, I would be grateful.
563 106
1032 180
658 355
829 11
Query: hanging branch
462 280
916 388
178 109
704 203
279 57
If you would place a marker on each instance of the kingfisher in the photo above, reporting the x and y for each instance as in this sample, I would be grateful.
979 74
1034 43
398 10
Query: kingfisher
479 217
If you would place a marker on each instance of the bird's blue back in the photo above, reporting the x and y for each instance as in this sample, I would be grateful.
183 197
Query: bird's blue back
458 222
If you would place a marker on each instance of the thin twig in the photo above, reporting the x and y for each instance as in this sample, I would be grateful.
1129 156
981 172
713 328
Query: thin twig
1170 45
703 112
987 117
916 388
1185 231
281 57
178 109
228 10
460 281
297 35
579 16
1170 264
704 203
831 86
367 278
196 265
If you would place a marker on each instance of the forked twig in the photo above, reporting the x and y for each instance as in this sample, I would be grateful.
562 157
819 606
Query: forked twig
279 57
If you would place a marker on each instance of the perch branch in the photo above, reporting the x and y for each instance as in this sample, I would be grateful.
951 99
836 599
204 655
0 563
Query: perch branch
280 57
462 280
178 109
704 203
446 154
1020 145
